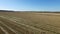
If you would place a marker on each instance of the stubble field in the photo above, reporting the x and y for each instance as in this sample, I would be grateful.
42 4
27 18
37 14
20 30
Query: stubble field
29 23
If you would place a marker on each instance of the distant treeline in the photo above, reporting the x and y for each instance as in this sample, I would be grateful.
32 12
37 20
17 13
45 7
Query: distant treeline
48 12
6 11
31 11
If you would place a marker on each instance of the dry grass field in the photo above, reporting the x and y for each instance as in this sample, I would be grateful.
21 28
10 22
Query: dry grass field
29 23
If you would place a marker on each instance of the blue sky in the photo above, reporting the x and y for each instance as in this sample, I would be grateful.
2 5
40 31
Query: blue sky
30 5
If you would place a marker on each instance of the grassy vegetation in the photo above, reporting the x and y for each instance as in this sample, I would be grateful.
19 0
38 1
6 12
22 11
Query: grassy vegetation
44 22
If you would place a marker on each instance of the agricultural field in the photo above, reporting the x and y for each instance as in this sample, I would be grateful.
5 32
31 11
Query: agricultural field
29 23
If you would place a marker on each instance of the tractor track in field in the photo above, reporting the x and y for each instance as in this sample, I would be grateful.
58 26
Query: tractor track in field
19 28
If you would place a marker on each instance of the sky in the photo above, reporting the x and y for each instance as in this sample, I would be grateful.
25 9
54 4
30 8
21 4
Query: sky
30 5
